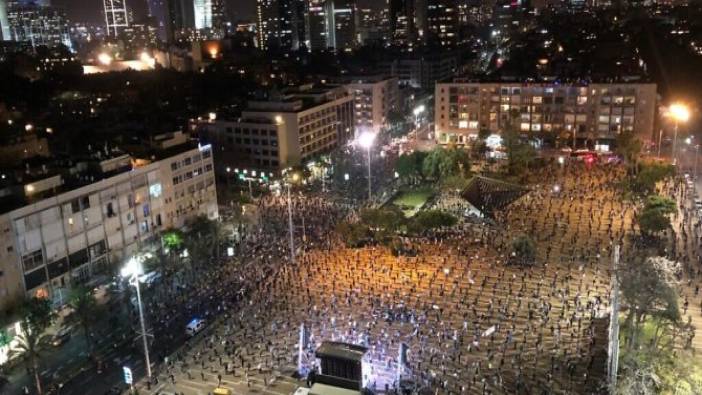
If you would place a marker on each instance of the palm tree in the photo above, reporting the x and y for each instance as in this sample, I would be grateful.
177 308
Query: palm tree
85 312
36 315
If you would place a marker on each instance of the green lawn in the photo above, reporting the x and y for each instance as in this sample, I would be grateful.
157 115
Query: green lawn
411 201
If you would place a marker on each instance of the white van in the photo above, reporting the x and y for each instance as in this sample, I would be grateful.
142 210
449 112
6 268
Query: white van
194 327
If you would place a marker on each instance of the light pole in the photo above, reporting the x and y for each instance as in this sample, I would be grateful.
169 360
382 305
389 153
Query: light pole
132 271
295 177
365 140
680 113
697 151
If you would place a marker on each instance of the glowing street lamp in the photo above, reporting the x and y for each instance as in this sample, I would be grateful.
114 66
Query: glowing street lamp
680 113
132 271
366 140
105 59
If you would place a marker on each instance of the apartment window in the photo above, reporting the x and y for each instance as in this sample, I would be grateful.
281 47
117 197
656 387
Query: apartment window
187 161
110 210
32 260
130 200
75 206
177 180
208 167
206 153
175 166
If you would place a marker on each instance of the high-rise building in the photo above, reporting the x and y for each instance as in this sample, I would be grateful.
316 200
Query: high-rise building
4 22
116 18
281 24
345 25
39 25
402 21
203 14
442 23
320 25
159 11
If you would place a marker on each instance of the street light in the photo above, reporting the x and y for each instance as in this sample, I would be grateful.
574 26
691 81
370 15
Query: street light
293 178
697 151
680 113
132 270
365 140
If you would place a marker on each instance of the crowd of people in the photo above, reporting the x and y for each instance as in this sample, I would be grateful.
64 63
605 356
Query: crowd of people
472 322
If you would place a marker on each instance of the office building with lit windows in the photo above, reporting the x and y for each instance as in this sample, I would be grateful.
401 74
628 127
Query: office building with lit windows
281 24
286 130
595 112
374 98
63 226
37 24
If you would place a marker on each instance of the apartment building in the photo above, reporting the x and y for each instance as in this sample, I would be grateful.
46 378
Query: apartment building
421 70
289 129
594 112
374 97
63 227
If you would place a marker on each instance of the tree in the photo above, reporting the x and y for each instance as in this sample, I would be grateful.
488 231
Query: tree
441 163
629 147
390 218
35 316
431 219
652 222
353 234
86 312
409 166
644 182
654 216
523 250
520 155
647 294
203 238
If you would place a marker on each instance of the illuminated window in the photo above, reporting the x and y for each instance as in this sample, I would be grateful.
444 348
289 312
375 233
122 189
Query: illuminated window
473 125
582 100
536 127
525 127
155 190
463 124
537 100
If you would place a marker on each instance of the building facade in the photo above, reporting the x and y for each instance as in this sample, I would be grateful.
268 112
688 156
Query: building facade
63 238
421 71
594 112
4 22
285 131
39 25
281 24
374 98
116 18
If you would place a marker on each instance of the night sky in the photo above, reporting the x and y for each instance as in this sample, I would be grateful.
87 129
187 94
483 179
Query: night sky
91 11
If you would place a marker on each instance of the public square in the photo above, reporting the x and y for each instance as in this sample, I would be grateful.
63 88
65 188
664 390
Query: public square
473 324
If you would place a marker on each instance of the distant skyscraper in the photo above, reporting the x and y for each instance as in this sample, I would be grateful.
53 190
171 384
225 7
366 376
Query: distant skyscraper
158 10
345 24
115 16
4 22
442 23
38 25
320 24
402 21
280 24
203 14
